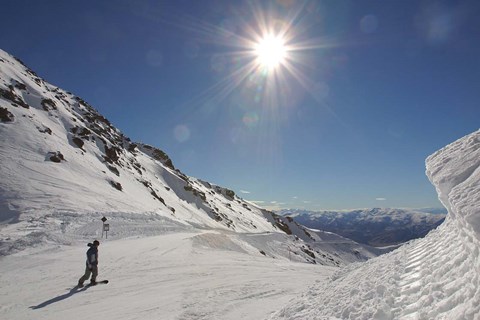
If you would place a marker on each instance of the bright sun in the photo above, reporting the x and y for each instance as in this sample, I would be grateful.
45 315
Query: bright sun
270 51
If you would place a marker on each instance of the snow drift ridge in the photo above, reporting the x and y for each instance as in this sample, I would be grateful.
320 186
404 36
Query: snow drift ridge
437 277
454 171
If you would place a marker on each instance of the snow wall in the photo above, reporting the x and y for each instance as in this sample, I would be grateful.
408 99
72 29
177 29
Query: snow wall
454 171
437 277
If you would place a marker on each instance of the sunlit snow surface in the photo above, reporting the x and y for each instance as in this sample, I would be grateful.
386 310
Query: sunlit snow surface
433 278
173 276
191 266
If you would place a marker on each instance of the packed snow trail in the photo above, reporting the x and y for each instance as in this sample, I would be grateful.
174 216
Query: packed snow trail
175 276
437 277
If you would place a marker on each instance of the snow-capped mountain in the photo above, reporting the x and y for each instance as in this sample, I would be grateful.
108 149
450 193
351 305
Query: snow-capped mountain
377 227
64 166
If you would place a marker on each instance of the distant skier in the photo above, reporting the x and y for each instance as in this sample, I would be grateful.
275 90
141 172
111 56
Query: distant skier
91 264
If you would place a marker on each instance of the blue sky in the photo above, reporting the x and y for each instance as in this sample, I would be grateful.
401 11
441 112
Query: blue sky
369 89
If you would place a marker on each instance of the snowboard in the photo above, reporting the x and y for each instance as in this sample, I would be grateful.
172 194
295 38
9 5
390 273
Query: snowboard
98 282
91 285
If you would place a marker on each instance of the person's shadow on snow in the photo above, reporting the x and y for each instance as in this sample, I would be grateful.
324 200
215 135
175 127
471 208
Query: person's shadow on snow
60 298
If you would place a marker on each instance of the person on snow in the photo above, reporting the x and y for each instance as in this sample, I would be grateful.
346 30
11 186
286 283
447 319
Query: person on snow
91 264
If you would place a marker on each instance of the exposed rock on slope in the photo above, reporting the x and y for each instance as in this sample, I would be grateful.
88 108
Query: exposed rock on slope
60 153
63 162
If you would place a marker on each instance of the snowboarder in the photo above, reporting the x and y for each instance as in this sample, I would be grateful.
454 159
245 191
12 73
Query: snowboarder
91 264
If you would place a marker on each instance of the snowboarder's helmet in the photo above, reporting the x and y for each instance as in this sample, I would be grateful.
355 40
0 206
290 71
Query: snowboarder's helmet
96 243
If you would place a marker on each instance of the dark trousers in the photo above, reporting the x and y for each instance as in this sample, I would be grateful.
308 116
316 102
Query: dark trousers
93 271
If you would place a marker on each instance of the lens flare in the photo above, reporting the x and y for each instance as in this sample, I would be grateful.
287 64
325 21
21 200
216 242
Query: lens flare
181 133
261 64
271 51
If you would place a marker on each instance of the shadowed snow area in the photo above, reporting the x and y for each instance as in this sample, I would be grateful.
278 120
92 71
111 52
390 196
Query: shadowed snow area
436 277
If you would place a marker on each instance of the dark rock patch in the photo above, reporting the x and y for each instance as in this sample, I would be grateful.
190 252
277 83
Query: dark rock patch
55 156
48 104
113 169
5 115
78 142
45 130
12 97
111 154
116 185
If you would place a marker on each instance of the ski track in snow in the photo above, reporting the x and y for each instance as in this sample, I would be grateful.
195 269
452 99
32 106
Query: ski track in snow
425 279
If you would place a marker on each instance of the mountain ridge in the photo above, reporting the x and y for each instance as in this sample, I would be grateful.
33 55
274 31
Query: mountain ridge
64 163
378 227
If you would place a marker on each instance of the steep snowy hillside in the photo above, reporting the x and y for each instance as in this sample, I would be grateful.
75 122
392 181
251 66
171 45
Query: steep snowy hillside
59 153
437 277
377 227
64 166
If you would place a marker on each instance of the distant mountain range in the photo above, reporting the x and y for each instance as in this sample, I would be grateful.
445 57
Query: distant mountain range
377 227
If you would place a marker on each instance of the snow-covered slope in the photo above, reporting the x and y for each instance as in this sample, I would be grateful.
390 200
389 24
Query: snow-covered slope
64 166
175 276
377 226
437 277
58 153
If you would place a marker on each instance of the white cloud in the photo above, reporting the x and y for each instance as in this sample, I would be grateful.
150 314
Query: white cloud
380 199
244 191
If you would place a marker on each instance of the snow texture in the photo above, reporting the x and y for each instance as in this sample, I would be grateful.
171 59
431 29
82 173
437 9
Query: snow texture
182 248
180 275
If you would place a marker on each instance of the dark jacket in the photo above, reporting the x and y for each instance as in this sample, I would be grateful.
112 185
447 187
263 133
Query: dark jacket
92 256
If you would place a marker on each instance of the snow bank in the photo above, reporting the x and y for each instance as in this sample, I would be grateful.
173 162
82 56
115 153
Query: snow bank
437 277
454 170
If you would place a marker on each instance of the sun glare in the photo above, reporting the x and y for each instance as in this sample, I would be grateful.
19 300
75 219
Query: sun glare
271 51
263 60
